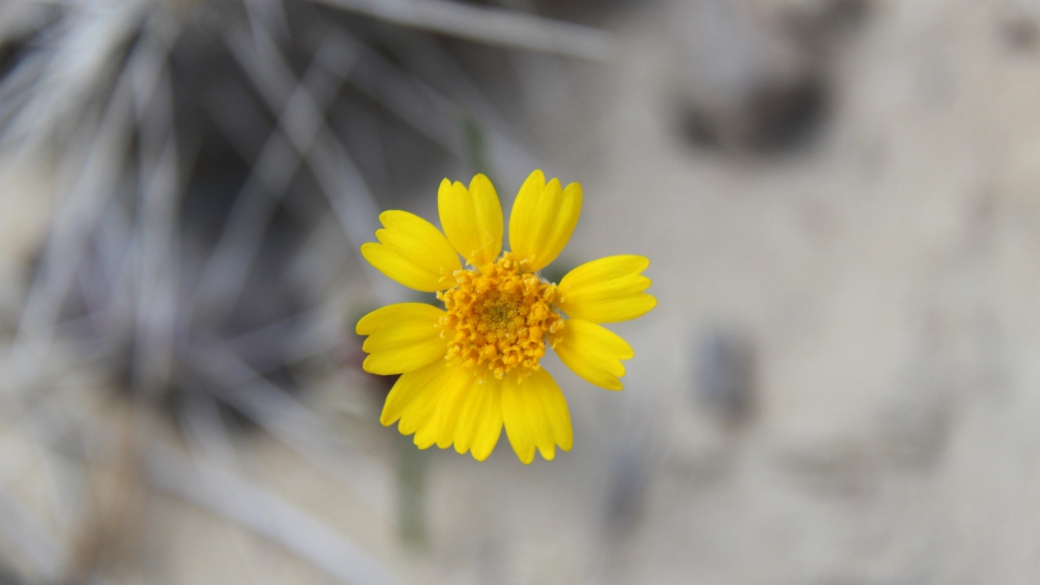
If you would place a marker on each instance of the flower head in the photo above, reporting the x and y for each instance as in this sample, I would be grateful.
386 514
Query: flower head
475 365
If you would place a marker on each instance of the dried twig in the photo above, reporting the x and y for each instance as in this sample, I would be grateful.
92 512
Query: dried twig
291 422
486 25
236 499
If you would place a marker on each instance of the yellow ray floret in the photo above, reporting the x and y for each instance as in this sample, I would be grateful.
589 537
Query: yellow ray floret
472 219
413 252
411 389
401 338
535 413
471 417
475 367
593 352
607 290
543 218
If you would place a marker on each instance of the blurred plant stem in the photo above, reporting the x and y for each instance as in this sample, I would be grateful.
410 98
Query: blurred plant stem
411 462
411 488
477 145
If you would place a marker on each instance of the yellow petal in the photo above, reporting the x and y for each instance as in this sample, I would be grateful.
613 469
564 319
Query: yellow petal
455 387
535 415
593 352
542 220
472 219
413 252
425 431
401 338
479 419
422 415
606 290
450 408
411 388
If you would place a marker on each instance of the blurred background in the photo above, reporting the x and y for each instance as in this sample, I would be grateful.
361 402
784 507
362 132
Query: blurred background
840 198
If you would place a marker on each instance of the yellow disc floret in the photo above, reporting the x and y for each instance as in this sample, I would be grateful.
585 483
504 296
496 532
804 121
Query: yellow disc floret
498 316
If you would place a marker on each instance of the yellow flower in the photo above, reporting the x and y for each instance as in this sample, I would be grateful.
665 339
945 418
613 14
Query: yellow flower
474 366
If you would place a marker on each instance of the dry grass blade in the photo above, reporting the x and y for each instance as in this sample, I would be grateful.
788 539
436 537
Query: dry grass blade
486 25
251 506
435 112
159 196
303 132
296 426
82 59
301 116
94 183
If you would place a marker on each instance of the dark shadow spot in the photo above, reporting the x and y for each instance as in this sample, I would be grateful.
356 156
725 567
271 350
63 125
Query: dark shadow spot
841 14
726 375
1021 34
696 128
781 117
773 118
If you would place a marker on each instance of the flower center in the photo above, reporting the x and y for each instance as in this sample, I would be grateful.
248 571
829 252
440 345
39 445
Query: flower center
498 317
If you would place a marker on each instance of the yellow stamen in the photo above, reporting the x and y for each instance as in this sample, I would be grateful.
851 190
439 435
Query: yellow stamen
498 317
